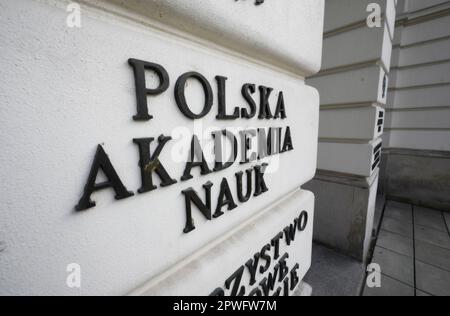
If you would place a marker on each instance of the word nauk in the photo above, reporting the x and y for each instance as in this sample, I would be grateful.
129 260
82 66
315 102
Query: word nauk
270 141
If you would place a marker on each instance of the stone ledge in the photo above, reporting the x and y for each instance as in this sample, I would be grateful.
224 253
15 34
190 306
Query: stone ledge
346 179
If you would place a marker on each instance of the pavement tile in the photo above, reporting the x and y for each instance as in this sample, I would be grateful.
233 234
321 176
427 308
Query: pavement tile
333 274
399 211
447 220
432 280
432 236
394 265
396 243
379 207
421 293
398 227
389 287
394 252
433 255
429 218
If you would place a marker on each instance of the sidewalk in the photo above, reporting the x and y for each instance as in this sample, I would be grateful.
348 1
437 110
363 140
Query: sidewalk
413 251
334 274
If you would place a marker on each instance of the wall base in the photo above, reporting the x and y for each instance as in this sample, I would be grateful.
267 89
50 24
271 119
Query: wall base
418 177
344 215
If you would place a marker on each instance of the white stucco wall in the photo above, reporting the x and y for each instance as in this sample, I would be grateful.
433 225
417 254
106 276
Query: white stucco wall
418 103
352 84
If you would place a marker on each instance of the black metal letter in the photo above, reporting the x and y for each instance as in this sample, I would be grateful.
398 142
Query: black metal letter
225 198
287 146
255 292
276 244
191 196
247 90
284 270
281 108
264 111
290 232
265 143
142 91
244 198
149 163
265 256
180 96
196 151
218 292
252 266
268 284
246 146
260 184
218 150
237 277
221 87
302 221
102 162
294 276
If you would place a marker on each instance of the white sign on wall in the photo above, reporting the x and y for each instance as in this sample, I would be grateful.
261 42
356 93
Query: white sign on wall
140 145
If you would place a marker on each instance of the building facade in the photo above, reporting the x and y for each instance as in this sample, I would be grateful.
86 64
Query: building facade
205 148
157 147
417 142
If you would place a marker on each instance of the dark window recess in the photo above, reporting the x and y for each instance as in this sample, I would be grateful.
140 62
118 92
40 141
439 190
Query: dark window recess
377 155
380 122
377 148
376 163
384 86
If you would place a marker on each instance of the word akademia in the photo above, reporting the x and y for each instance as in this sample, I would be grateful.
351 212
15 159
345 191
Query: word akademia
270 141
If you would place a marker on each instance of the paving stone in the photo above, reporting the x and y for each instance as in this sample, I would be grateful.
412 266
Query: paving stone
398 227
433 255
399 211
429 218
432 236
389 287
421 293
396 243
447 220
395 250
394 265
432 280
379 207
333 274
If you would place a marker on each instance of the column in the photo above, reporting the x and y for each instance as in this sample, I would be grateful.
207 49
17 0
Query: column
353 87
